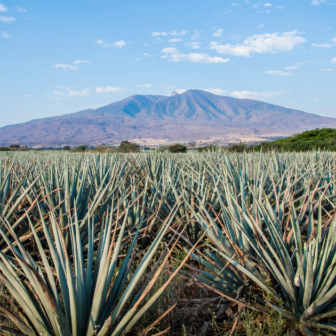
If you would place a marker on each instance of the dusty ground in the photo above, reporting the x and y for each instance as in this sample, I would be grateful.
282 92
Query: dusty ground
219 140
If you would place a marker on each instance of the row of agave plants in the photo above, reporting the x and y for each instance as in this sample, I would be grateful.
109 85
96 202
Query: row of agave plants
78 234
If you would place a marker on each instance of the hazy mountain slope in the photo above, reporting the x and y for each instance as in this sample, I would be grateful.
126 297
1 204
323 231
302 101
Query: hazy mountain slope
193 115
130 106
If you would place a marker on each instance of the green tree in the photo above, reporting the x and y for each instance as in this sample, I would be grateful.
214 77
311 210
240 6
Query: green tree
238 148
128 147
105 149
177 148
210 148
66 148
14 147
324 138
81 148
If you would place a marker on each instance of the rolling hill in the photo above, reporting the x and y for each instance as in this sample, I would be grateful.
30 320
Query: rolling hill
189 116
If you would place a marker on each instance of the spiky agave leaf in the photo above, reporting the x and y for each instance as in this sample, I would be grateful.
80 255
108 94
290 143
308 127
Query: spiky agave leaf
80 292
305 291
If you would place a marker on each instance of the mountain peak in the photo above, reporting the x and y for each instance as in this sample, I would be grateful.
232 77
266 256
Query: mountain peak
189 116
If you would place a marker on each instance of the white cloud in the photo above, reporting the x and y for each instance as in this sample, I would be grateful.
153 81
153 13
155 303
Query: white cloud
280 7
196 35
179 91
6 19
319 2
234 4
169 50
145 86
65 67
333 60
325 45
261 26
267 5
109 89
264 43
295 66
176 56
162 33
119 44
175 40
174 33
3 34
326 69
20 9
147 55
80 62
279 73
67 92
193 45
316 100
3 8
218 32
256 95
182 32
333 39
217 91
81 93
103 43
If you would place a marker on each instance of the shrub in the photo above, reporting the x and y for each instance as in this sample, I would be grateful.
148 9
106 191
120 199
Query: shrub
239 147
128 147
66 148
105 149
15 147
242 147
4 149
177 148
324 139
207 148
81 148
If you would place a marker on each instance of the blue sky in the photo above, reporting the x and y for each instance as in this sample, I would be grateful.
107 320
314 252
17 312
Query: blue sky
59 57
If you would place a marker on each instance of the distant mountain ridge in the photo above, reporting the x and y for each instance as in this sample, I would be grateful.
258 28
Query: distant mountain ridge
192 115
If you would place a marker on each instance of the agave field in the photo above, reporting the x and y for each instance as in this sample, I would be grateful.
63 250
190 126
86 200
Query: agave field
90 243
